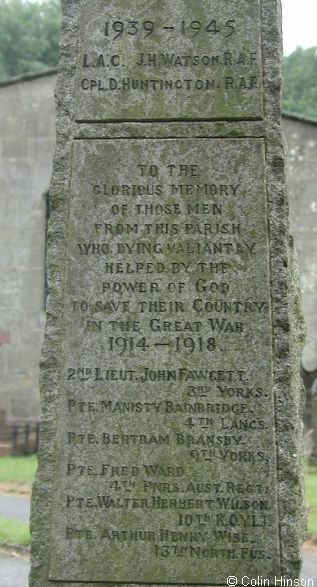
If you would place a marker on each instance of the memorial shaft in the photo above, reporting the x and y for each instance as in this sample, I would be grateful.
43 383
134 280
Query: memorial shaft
171 434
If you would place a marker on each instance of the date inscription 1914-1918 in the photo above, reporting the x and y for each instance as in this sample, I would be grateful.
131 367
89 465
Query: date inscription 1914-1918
171 410
166 328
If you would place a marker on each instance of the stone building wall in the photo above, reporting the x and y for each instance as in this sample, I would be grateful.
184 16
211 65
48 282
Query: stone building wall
27 136
27 132
301 138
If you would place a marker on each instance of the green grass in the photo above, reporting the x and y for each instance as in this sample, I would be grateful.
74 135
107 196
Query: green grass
17 469
14 532
311 498
21 470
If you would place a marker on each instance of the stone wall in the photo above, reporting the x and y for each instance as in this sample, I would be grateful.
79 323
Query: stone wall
301 137
27 137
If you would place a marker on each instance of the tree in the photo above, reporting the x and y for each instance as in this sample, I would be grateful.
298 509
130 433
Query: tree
29 36
300 82
29 39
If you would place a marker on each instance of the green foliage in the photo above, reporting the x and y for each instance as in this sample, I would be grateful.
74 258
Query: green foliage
29 39
29 36
300 82
17 469
14 532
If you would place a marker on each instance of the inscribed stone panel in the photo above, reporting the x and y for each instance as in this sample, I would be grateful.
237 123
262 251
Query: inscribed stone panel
166 467
169 60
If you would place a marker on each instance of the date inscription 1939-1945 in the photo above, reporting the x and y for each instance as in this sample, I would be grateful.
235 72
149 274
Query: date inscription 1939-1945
164 60
145 28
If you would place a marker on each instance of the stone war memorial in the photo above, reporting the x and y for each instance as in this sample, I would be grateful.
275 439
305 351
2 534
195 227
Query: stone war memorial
171 402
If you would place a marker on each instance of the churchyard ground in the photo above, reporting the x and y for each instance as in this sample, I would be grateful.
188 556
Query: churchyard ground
17 474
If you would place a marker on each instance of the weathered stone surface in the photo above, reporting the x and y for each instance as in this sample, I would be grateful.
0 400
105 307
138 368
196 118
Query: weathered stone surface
171 437
162 415
179 61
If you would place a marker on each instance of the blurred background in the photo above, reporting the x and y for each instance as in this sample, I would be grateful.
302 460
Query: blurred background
29 39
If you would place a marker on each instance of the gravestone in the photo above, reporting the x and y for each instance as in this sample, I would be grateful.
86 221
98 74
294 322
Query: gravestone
313 455
309 376
171 435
